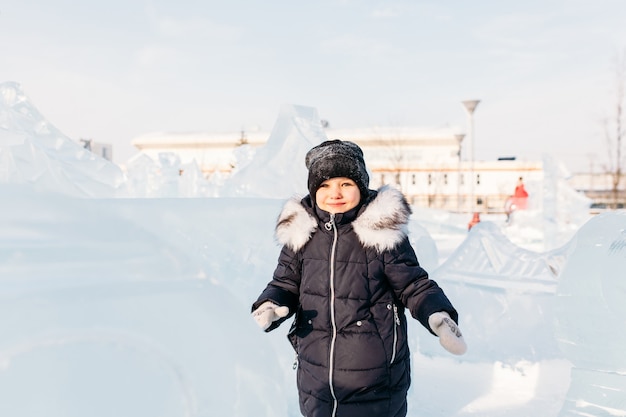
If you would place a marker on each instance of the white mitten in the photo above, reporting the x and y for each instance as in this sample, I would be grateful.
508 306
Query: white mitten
450 336
268 312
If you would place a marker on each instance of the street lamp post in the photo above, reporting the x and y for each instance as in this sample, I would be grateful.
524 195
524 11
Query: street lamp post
470 106
459 139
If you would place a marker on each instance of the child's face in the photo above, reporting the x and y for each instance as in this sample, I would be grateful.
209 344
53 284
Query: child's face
338 195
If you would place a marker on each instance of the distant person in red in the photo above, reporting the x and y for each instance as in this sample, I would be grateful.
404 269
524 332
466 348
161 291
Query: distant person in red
520 191
518 201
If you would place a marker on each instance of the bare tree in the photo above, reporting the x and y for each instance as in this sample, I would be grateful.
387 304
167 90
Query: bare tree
614 130
396 154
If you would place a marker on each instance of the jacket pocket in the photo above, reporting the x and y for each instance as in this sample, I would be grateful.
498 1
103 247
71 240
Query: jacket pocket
291 334
396 328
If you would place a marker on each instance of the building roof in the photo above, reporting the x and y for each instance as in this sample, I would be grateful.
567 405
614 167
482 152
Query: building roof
198 139
367 136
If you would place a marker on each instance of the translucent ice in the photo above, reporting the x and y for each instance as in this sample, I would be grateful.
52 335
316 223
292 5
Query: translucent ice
505 295
278 169
34 152
591 318
140 306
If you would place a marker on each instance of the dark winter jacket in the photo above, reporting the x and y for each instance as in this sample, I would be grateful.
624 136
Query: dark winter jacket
348 278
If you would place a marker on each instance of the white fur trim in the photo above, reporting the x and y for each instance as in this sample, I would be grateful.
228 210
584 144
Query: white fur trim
295 226
384 222
382 225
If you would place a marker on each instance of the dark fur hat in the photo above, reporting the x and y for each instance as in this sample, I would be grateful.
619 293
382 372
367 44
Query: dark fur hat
336 158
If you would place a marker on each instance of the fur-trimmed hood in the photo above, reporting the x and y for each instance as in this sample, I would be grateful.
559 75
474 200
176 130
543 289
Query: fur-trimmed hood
382 223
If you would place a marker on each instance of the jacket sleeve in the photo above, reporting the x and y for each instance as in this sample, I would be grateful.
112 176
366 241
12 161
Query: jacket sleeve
411 285
284 288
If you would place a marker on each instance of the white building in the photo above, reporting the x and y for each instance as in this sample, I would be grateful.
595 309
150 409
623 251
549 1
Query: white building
599 187
426 164
428 167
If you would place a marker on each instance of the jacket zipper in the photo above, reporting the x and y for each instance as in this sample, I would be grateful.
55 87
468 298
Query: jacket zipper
396 324
331 360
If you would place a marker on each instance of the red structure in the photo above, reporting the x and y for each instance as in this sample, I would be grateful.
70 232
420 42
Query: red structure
475 220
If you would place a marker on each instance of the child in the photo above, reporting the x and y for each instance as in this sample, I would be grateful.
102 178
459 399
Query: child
348 272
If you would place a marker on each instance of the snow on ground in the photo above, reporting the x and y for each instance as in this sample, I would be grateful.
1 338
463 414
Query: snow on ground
112 303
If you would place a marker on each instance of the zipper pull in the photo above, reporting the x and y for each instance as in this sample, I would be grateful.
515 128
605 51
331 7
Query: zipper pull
329 226
395 314
295 362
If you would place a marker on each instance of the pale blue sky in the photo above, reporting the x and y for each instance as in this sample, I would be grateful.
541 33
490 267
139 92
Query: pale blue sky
117 69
